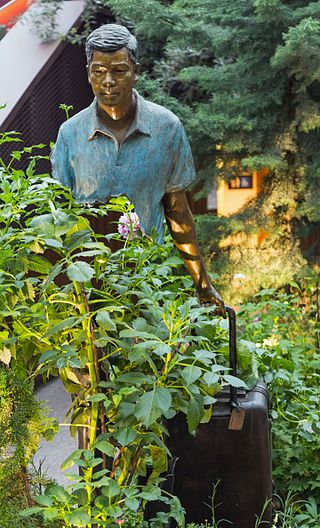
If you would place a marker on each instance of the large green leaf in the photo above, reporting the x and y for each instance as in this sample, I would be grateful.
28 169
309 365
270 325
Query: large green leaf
152 405
44 500
195 411
50 513
97 397
105 447
114 512
135 378
132 503
104 320
111 488
80 271
69 380
132 332
79 518
125 436
67 323
161 349
235 382
204 355
150 493
64 222
71 460
191 374
146 345
31 511
58 492
177 511
211 378
53 242
77 239
39 264
43 223
99 246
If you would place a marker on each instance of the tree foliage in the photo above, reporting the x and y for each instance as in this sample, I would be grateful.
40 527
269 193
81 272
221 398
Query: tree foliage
22 421
255 66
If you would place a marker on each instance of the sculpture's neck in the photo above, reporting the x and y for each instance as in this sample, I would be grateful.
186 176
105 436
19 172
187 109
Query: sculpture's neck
118 119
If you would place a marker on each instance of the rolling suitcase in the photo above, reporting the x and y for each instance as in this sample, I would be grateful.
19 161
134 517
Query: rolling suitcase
228 461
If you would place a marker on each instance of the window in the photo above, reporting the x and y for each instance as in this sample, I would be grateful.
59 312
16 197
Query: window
241 182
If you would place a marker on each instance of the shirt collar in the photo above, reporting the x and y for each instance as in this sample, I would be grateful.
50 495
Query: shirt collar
141 122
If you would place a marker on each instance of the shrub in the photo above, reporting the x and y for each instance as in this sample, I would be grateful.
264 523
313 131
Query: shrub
285 328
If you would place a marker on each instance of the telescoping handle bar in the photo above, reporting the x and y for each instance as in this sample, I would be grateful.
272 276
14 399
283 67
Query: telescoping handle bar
232 352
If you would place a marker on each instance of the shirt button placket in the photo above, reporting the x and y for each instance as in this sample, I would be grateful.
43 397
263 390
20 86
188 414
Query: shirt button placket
120 156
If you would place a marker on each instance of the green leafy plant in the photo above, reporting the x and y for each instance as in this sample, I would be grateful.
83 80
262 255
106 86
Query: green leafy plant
121 329
295 513
285 328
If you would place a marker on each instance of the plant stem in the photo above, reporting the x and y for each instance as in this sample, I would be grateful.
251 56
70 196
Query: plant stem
26 484
94 374
134 464
116 462
93 364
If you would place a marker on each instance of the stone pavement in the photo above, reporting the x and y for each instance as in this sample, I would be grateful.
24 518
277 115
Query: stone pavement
55 452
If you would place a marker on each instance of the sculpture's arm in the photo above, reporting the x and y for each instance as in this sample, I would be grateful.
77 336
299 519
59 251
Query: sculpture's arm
60 161
181 225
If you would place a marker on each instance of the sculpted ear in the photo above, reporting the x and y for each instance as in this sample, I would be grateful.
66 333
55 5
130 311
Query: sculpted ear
88 72
137 70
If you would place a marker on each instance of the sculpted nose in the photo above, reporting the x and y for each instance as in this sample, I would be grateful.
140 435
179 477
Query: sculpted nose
108 80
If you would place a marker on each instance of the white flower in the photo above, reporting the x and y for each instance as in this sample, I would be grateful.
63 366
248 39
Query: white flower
240 276
271 341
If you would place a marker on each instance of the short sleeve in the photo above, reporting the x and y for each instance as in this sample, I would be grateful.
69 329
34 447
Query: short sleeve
61 168
183 172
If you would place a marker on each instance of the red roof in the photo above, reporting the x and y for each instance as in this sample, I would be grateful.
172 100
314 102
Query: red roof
11 9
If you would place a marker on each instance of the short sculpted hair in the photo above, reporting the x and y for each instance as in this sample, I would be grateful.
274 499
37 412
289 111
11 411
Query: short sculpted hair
112 37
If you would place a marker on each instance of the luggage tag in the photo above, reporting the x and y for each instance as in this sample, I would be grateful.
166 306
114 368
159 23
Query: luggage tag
237 417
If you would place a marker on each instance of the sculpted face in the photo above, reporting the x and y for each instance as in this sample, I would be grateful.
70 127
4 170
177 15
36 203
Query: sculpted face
112 76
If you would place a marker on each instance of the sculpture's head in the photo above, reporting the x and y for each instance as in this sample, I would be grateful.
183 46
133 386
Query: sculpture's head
112 66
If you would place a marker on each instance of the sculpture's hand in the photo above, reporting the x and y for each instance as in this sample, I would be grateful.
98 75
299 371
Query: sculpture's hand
208 296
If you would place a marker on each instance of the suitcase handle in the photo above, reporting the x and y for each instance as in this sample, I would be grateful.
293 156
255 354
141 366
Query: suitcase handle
232 352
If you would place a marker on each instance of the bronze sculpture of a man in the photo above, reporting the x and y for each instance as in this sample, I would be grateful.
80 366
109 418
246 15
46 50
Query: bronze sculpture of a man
123 144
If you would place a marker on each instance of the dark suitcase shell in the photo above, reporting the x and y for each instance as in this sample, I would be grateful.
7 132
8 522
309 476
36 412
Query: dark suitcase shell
238 460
